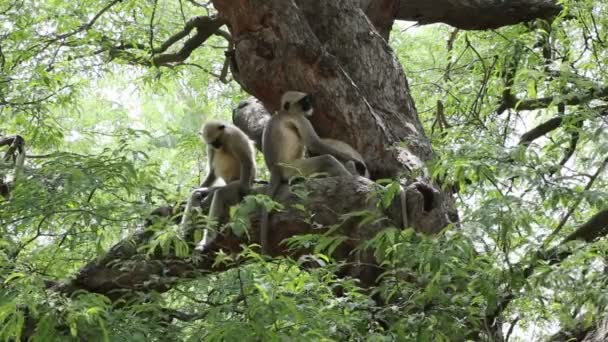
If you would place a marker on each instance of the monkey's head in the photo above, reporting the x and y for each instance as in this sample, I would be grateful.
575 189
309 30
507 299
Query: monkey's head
213 132
296 102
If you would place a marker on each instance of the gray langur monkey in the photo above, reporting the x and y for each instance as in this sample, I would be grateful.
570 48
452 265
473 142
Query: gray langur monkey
346 148
230 157
286 136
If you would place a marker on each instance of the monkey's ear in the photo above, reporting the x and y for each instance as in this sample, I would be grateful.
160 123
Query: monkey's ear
286 106
221 127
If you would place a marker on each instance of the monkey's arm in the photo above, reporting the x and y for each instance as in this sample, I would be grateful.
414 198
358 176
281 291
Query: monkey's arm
318 146
247 167
211 177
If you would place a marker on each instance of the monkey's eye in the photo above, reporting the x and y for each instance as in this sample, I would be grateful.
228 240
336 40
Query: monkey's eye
221 128
286 106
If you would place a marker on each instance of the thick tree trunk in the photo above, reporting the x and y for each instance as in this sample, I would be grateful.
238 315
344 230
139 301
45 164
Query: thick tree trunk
331 49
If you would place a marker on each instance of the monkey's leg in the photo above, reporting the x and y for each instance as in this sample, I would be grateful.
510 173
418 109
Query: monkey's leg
350 166
223 199
187 224
320 164
275 182
195 197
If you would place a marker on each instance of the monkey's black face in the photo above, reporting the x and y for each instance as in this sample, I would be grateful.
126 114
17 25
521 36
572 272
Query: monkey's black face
217 143
306 103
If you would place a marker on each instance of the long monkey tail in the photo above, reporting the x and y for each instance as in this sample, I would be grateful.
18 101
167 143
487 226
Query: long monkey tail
264 230
187 213
187 210
275 182
403 200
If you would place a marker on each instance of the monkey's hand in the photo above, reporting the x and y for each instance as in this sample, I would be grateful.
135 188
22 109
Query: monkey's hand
201 193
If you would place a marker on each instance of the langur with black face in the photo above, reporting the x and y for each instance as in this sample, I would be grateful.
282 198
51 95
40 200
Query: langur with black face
350 166
286 137
231 158
346 148
364 172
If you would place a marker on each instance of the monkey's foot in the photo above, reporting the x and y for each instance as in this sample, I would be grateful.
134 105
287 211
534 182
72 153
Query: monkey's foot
208 238
201 192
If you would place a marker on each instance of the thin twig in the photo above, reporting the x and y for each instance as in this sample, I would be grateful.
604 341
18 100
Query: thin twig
88 25
570 211
154 3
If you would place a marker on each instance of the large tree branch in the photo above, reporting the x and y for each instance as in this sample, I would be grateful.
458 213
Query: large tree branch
540 130
205 28
569 99
382 14
126 268
551 125
476 14
591 230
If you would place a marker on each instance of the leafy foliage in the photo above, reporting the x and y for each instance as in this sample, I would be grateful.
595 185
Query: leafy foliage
110 136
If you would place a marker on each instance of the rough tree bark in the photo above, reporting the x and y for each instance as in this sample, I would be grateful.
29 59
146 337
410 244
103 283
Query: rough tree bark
361 98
